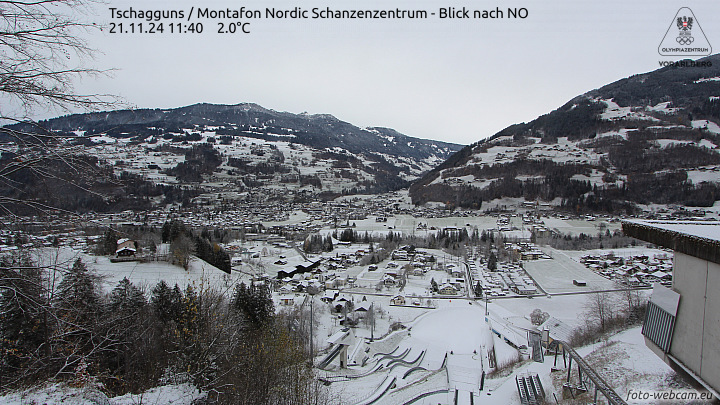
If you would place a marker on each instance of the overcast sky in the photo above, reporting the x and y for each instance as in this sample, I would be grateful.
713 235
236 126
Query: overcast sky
451 80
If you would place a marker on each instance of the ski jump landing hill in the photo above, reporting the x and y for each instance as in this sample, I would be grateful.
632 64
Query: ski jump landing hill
441 356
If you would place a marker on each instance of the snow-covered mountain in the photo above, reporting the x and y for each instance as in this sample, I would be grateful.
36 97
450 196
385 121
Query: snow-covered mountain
245 148
250 120
651 138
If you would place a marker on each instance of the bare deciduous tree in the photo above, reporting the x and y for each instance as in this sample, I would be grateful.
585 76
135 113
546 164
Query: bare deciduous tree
537 316
599 308
42 53
182 248
635 305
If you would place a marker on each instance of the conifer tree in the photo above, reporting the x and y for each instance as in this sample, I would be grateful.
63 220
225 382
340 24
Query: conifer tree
177 302
328 246
255 304
108 245
22 321
162 302
126 297
492 262
77 299
165 233
126 322
77 305
478 290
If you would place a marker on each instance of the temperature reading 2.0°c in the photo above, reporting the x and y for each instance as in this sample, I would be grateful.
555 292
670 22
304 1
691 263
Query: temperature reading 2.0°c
234 27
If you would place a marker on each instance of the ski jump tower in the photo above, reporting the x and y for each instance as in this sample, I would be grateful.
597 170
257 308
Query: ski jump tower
340 341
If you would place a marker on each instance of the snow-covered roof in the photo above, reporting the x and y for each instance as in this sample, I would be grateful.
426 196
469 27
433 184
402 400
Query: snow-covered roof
330 293
339 337
557 329
521 323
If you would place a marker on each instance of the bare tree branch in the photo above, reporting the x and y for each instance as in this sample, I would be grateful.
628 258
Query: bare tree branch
42 52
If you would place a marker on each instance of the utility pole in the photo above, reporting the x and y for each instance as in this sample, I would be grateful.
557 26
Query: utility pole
372 321
312 290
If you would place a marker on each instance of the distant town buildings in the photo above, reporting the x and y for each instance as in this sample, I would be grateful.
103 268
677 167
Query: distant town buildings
633 271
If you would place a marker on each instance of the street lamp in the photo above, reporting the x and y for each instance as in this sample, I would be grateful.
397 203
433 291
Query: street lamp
312 290
372 321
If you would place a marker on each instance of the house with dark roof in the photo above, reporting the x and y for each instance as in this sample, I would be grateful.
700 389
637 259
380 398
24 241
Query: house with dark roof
300 269
682 323
125 248
397 300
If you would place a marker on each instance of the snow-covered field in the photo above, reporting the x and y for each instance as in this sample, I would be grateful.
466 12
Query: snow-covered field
556 275
576 226
614 112
707 125
199 274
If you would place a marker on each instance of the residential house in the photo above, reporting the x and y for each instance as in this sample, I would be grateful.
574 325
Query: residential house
397 300
126 247
447 289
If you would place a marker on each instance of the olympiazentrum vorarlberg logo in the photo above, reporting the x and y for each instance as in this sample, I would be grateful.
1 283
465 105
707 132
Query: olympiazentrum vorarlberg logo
685 37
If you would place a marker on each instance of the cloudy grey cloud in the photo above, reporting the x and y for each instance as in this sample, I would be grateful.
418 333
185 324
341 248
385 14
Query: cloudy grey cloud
447 79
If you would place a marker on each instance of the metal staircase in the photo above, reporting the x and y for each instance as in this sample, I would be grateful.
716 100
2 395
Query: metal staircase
530 390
